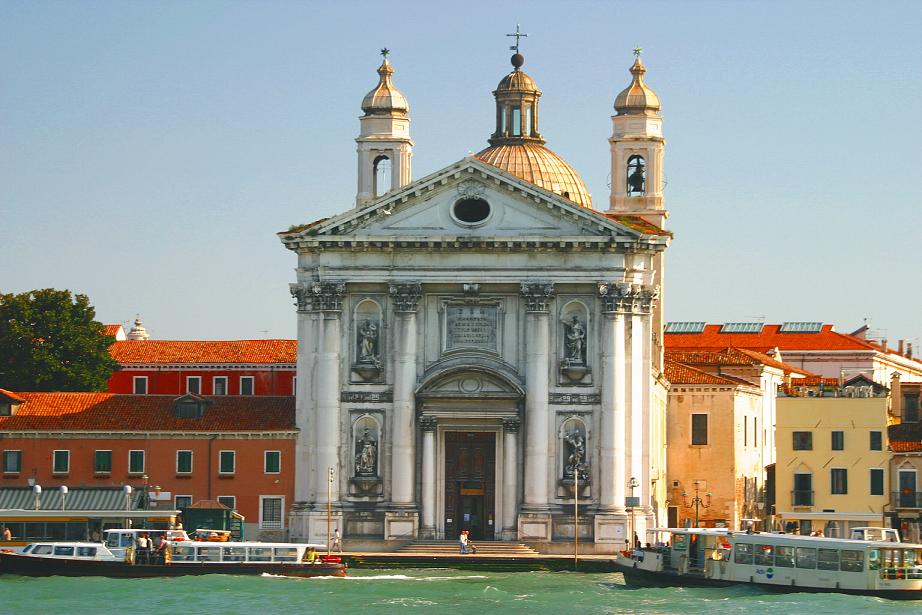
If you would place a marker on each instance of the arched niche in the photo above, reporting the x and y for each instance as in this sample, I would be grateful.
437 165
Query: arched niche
573 437
366 447
636 176
367 339
574 333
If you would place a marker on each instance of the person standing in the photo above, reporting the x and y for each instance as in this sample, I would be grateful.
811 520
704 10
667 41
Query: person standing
462 540
143 543
337 542
7 534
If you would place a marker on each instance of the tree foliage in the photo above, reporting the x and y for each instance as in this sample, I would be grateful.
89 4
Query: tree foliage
49 341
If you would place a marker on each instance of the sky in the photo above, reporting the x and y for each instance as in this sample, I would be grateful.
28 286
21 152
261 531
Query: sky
149 151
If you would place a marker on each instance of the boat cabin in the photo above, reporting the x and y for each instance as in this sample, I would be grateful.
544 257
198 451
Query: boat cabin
244 552
68 550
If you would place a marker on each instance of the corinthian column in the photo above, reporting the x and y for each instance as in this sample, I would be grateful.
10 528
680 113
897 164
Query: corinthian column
405 298
327 301
305 417
537 373
428 425
510 476
613 416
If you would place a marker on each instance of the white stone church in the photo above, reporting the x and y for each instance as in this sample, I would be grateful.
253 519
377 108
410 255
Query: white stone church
480 349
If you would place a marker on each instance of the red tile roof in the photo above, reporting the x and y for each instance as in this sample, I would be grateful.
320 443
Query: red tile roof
111 330
146 413
677 373
898 446
236 351
770 337
10 396
729 356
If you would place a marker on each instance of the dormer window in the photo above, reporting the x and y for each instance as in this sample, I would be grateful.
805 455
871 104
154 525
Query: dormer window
9 403
190 407
6 409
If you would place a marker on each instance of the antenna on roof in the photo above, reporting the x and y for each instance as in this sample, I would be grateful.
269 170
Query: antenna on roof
265 332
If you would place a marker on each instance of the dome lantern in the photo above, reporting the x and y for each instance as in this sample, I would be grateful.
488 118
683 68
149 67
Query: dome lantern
637 98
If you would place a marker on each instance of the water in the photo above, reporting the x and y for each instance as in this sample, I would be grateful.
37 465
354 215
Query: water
442 592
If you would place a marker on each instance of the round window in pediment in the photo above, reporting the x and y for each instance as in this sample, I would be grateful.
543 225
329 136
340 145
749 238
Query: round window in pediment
471 211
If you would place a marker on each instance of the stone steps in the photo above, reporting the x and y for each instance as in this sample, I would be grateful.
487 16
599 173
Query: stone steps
484 547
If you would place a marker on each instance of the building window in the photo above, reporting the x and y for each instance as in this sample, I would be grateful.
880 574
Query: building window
60 462
12 462
246 385
699 429
103 462
220 385
184 462
910 408
140 385
838 440
877 481
182 501
877 441
226 462
136 462
755 431
228 500
803 440
838 481
270 512
272 462
745 431
194 384
803 489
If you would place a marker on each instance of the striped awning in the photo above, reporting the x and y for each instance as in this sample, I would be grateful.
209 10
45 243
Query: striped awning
77 498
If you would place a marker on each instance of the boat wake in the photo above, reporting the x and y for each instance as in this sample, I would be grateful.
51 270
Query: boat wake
379 577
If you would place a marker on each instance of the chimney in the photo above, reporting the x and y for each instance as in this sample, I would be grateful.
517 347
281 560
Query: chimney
900 347
908 350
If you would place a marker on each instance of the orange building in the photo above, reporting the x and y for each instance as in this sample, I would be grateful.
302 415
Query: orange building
177 450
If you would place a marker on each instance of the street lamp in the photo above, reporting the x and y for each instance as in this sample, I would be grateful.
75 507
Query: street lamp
696 501
633 483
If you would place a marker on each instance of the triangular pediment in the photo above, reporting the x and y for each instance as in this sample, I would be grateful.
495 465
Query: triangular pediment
432 209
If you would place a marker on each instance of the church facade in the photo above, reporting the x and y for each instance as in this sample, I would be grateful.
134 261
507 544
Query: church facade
479 349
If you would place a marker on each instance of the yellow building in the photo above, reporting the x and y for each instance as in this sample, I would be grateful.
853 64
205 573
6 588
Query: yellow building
832 463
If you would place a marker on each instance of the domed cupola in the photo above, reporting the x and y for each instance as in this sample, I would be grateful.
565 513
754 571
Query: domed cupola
385 99
637 98
517 147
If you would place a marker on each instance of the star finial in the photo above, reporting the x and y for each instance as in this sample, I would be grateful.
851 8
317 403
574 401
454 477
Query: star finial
638 51
385 52
517 34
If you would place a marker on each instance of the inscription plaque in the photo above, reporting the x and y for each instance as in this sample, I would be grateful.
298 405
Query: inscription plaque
471 326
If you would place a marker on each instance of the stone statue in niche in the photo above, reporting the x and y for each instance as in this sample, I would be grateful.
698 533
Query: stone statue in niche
368 342
366 455
576 466
576 342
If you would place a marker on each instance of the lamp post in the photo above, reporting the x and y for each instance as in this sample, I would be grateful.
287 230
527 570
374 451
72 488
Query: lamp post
633 483
696 501
36 496
63 497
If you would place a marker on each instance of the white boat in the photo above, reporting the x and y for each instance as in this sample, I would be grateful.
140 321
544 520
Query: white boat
720 557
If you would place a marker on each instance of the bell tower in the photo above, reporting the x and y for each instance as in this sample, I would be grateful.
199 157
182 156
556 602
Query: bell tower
637 148
385 149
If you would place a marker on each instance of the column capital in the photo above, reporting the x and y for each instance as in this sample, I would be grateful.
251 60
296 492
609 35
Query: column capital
537 295
512 424
302 296
428 423
626 297
405 295
319 296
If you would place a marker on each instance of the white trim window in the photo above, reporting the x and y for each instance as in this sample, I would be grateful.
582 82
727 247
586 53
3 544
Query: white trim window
271 512
182 501
272 462
228 500
60 461
227 462
136 461
184 462
139 385
12 461
247 385
194 385
102 462
219 385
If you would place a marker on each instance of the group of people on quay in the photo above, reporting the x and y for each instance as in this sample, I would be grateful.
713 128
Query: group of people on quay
464 541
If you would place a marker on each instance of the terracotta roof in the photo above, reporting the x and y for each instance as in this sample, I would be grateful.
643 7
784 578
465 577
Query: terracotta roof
905 447
815 381
730 356
10 396
638 224
146 413
235 351
677 373
770 337
111 330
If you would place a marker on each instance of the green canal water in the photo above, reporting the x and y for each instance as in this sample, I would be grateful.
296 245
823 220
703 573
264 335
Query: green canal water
442 592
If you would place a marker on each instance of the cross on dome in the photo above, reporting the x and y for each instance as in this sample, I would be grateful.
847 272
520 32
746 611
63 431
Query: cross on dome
385 52
517 34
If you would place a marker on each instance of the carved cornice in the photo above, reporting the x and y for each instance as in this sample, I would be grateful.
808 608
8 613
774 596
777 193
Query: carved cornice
511 425
405 296
428 423
628 298
537 295
302 296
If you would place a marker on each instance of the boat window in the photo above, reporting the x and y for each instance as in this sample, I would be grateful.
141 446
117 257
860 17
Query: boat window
852 561
743 553
234 554
209 554
806 557
86 551
27 548
827 559
765 555
259 554
41 550
183 554
64 550
112 539
286 554
784 557
680 542
873 559
126 539
891 557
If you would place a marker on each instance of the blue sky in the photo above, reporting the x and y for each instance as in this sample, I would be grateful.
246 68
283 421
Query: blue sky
149 151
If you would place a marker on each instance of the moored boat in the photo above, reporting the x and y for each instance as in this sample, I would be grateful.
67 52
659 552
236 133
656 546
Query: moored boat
720 557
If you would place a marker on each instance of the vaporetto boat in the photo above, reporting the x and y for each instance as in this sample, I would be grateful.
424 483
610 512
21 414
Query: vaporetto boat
720 557
118 557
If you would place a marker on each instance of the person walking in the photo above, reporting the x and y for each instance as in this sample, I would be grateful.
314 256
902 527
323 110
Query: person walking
337 542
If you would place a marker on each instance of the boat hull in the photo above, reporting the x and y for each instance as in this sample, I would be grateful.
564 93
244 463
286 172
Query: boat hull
13 563
638 577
